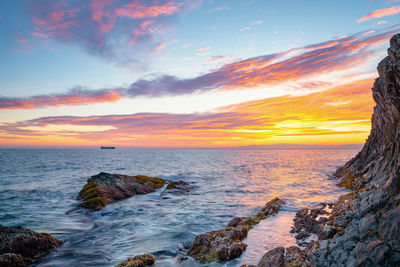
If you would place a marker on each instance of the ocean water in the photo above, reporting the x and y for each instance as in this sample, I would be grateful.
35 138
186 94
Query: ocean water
38 189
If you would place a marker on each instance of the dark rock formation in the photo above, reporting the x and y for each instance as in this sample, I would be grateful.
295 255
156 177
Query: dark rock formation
138 261
281 257
363 227
21 247
226 244
105 188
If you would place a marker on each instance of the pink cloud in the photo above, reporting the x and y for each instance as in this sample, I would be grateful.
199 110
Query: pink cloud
75 97
214 59
380 13
39 34
137 10
205 48
139 24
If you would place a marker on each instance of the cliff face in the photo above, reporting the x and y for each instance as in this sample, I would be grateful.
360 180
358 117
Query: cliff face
378 161
368 229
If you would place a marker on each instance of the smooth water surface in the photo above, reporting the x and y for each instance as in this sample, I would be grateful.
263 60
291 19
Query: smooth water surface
38 189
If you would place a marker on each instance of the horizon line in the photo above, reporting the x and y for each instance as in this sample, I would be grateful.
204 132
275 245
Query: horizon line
245 147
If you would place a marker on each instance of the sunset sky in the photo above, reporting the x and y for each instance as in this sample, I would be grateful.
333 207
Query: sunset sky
190 73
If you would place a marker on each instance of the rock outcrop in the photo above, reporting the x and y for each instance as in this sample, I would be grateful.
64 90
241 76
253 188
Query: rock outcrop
367 220
105 188
138 261
22 247
226 244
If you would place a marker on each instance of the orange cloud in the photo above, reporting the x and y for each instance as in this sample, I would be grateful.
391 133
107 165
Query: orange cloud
338 115
380 13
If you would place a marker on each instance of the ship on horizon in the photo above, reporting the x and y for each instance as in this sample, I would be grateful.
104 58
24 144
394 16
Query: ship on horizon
107 147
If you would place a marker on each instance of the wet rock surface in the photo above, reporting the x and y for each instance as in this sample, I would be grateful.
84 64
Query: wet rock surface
21 247
138 261
105 188
281 257
226 244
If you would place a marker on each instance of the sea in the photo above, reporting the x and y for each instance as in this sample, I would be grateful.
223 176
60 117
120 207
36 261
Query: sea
38 190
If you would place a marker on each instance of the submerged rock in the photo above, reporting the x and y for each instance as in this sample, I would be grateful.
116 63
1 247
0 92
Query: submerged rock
178 186
138 261
226 244
21 247
105 188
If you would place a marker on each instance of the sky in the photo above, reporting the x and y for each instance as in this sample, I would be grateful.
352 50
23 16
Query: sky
190 73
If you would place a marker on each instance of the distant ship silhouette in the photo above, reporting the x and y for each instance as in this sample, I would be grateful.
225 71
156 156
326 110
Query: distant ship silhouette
107 147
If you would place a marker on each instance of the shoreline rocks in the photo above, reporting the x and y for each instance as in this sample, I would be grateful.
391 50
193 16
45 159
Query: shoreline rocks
22 247
361 228
105 188
226 244
138 261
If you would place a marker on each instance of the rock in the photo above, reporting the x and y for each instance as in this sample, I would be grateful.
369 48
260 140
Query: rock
180 187
294 256
221 245
281 257
273 258
226 244
14 260
138 261
21 247
311 224
367 220
105 188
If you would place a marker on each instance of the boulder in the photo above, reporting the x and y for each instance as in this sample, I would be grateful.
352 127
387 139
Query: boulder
138 261
105 188
281 257
21 247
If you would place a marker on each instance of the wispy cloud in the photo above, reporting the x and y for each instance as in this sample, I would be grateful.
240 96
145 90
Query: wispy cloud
214 59
220 8
380 13
321 117
257 22
76 96
122 31
204 48
297 64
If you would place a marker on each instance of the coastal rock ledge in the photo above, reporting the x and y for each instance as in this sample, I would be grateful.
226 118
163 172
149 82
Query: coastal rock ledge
106 188
22 247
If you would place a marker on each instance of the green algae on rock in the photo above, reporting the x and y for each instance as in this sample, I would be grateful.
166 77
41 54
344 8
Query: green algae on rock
21 247
138 261
105 188
226 244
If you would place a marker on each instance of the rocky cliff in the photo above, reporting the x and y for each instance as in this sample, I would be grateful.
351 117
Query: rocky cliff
368 228
362 228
